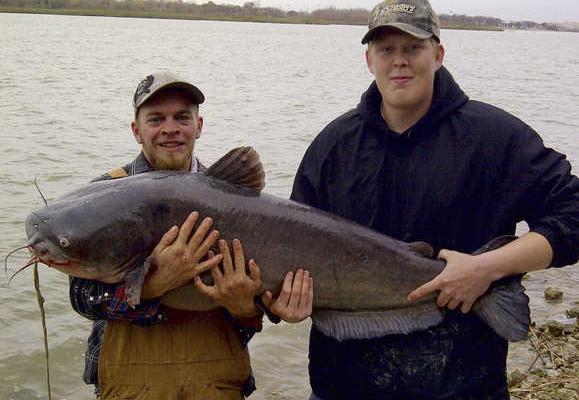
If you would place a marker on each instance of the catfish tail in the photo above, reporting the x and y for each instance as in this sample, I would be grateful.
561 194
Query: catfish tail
505 306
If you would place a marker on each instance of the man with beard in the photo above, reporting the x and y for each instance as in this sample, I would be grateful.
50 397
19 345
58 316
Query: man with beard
152 351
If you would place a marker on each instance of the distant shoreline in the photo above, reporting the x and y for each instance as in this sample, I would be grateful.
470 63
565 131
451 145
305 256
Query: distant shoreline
94 12
161 15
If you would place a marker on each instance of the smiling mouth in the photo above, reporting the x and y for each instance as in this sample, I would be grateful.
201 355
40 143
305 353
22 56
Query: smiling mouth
171 145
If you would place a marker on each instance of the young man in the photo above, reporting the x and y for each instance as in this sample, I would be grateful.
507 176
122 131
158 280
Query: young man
152 351
419 161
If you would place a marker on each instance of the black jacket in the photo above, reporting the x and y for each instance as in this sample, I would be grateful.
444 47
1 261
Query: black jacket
466 173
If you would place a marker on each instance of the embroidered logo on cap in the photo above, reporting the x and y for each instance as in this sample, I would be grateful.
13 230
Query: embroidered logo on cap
143 89
390 8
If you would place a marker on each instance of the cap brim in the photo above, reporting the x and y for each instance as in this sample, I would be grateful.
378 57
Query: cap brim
192 90
406 28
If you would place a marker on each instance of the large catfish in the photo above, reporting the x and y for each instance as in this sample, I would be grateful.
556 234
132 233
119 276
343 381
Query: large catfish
106 230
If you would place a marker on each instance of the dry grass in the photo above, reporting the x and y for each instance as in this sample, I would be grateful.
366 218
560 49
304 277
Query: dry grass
554 373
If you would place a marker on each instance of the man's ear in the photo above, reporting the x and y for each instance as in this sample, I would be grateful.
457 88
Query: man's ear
439 56
136 132
199 127
369 61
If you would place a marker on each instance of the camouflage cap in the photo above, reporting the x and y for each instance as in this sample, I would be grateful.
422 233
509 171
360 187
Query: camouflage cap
415 17
160 81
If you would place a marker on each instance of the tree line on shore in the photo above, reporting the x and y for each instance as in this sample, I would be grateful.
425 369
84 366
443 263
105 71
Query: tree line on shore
249 11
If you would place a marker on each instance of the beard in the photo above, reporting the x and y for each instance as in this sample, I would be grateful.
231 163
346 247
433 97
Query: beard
173 162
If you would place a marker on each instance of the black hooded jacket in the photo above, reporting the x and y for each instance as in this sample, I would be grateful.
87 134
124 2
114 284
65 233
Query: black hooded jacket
466 173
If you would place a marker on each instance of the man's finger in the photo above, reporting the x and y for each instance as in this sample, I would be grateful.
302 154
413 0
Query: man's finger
286 288
202 287
296 289
239 257
444 254
217 276
187 227
168 238
200 233
453 303
267 298
227 263
466 306
203 249
306 300
423 291
254 271
442 300
206 265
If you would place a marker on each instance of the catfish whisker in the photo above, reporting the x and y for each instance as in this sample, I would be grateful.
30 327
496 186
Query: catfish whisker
39 191
9 254
32 261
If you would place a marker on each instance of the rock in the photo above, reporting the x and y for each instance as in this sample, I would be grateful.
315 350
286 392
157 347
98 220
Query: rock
516 378
553 294
560 327
573 386
566 394
573 312
539 373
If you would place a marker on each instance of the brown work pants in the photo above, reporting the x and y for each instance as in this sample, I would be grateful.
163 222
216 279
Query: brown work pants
197 357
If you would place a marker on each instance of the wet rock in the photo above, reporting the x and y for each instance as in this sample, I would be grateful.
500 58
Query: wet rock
573 312
516 378
553 294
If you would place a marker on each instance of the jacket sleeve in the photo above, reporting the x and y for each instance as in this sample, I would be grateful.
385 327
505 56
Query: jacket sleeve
95 300
551 196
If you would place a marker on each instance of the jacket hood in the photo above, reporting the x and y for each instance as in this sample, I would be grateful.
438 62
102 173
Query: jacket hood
448 96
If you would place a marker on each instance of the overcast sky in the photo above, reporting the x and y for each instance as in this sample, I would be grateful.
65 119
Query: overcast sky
534 10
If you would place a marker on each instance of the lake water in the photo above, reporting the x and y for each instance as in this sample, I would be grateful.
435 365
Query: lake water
65 105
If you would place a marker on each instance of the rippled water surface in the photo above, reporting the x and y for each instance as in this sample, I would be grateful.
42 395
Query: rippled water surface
65 91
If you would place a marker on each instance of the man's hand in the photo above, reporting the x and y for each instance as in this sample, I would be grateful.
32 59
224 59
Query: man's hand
461 283
176 260
294 303
234 289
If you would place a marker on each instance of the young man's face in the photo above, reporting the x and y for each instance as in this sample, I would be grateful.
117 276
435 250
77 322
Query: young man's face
404 68
167 126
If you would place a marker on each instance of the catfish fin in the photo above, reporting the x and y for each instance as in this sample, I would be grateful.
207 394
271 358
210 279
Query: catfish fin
241 166
505 308
421 248
345 325
134 283
496 243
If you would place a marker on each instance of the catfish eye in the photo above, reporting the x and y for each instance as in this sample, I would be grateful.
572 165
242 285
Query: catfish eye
64 242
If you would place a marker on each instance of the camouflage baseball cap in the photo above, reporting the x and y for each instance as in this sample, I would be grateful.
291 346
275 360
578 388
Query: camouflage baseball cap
415 17
160 81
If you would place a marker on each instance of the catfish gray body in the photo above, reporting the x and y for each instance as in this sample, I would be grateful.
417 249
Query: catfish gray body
106 230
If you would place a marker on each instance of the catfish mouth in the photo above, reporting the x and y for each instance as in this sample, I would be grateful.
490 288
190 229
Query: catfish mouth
43 255
56 264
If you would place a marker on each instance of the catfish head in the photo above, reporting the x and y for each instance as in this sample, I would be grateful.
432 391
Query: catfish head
85 240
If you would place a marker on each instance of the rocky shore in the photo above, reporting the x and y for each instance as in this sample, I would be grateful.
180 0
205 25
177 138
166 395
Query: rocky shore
554 372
